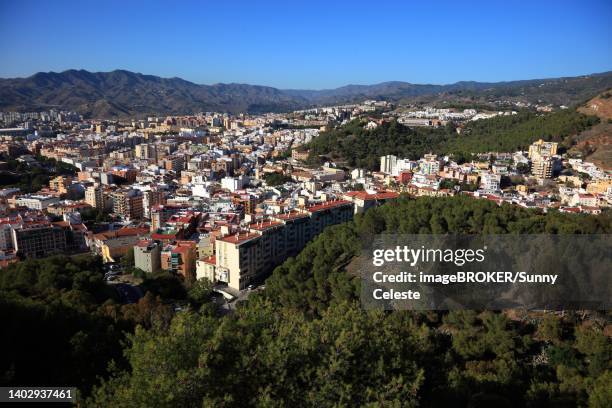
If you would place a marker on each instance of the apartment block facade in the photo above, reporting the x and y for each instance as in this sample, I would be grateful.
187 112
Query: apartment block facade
244 257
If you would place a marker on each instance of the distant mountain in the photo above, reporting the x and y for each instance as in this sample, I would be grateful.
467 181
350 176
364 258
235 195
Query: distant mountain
123 93
559 91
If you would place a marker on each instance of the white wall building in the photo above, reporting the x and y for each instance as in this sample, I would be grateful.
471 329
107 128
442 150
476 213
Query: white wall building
388 164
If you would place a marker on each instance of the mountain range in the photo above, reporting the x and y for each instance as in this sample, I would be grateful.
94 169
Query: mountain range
123 93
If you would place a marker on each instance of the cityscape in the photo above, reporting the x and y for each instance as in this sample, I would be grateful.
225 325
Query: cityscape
194 235
229 197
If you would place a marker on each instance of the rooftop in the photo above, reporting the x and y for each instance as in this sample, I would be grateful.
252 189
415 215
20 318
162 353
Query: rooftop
379 195
264 225
239 237
291 215
327 205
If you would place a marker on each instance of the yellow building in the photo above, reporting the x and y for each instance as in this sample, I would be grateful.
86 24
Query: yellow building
542 167
542 149
600 187
244 257
94 196
60 184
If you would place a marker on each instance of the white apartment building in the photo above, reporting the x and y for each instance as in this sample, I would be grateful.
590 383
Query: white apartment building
36 201
388 164
233 183
490 182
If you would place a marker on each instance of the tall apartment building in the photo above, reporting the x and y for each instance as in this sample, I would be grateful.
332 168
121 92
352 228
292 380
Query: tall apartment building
150 199
388 164
146 151
542 167
39 240
60 184
429 166
6 236
247 201
174 163
128 204
542 149
244 257
147 256
490 182
94 196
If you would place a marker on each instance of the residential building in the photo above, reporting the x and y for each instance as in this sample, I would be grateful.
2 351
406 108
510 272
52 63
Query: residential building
490 182
180 258
36 201
94 196
542 148
39 240
365 200
146 151
246 256
147 256
388 164
128 204
60 184
542 167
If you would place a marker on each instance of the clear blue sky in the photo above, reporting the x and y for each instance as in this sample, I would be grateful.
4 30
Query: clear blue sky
309 44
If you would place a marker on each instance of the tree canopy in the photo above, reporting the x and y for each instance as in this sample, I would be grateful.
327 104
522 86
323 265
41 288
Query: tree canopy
306 341
361 147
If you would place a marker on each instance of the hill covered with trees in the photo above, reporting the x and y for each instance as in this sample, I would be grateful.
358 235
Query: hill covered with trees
305 340
63 326
360 147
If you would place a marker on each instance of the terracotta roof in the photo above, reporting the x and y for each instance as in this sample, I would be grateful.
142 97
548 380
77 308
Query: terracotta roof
571 209
239 238
379 195
292 215
210 260
265 224
143 243
327 205
132 231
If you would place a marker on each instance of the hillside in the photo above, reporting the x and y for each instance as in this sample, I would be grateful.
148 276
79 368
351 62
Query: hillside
559 91
355 146
595 144
123 93
306 339
600 106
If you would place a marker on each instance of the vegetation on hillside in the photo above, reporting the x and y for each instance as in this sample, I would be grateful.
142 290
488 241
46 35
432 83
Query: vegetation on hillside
360 147
62 325
305 340
32 178
276 179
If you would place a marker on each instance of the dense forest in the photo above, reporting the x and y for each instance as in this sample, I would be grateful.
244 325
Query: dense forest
359 147
62 325
305 340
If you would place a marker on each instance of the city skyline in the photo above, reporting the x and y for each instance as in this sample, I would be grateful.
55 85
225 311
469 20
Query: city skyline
328 46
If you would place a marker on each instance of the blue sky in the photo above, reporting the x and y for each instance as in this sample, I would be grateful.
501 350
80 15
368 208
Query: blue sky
309 44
